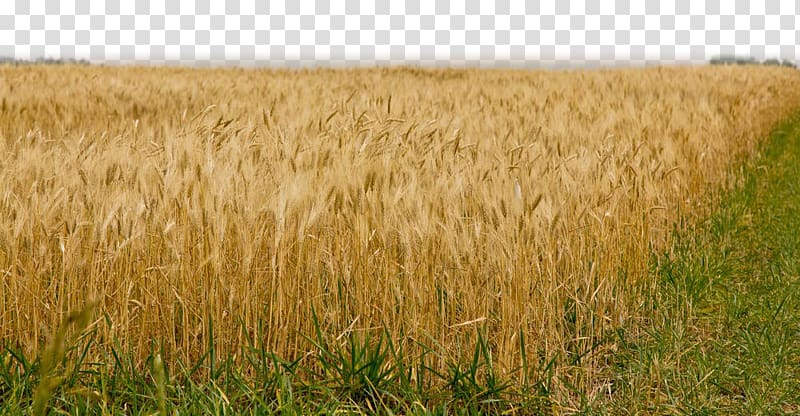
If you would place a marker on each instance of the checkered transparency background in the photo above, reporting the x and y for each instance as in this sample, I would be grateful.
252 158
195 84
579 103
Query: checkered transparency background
353 32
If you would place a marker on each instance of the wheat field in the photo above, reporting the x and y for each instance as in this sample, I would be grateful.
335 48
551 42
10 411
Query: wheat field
424 203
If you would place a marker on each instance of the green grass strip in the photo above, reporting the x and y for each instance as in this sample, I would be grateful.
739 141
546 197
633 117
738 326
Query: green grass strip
724 333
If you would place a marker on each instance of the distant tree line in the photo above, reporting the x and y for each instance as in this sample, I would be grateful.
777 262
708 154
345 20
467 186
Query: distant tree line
42 61
723 60
730 60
